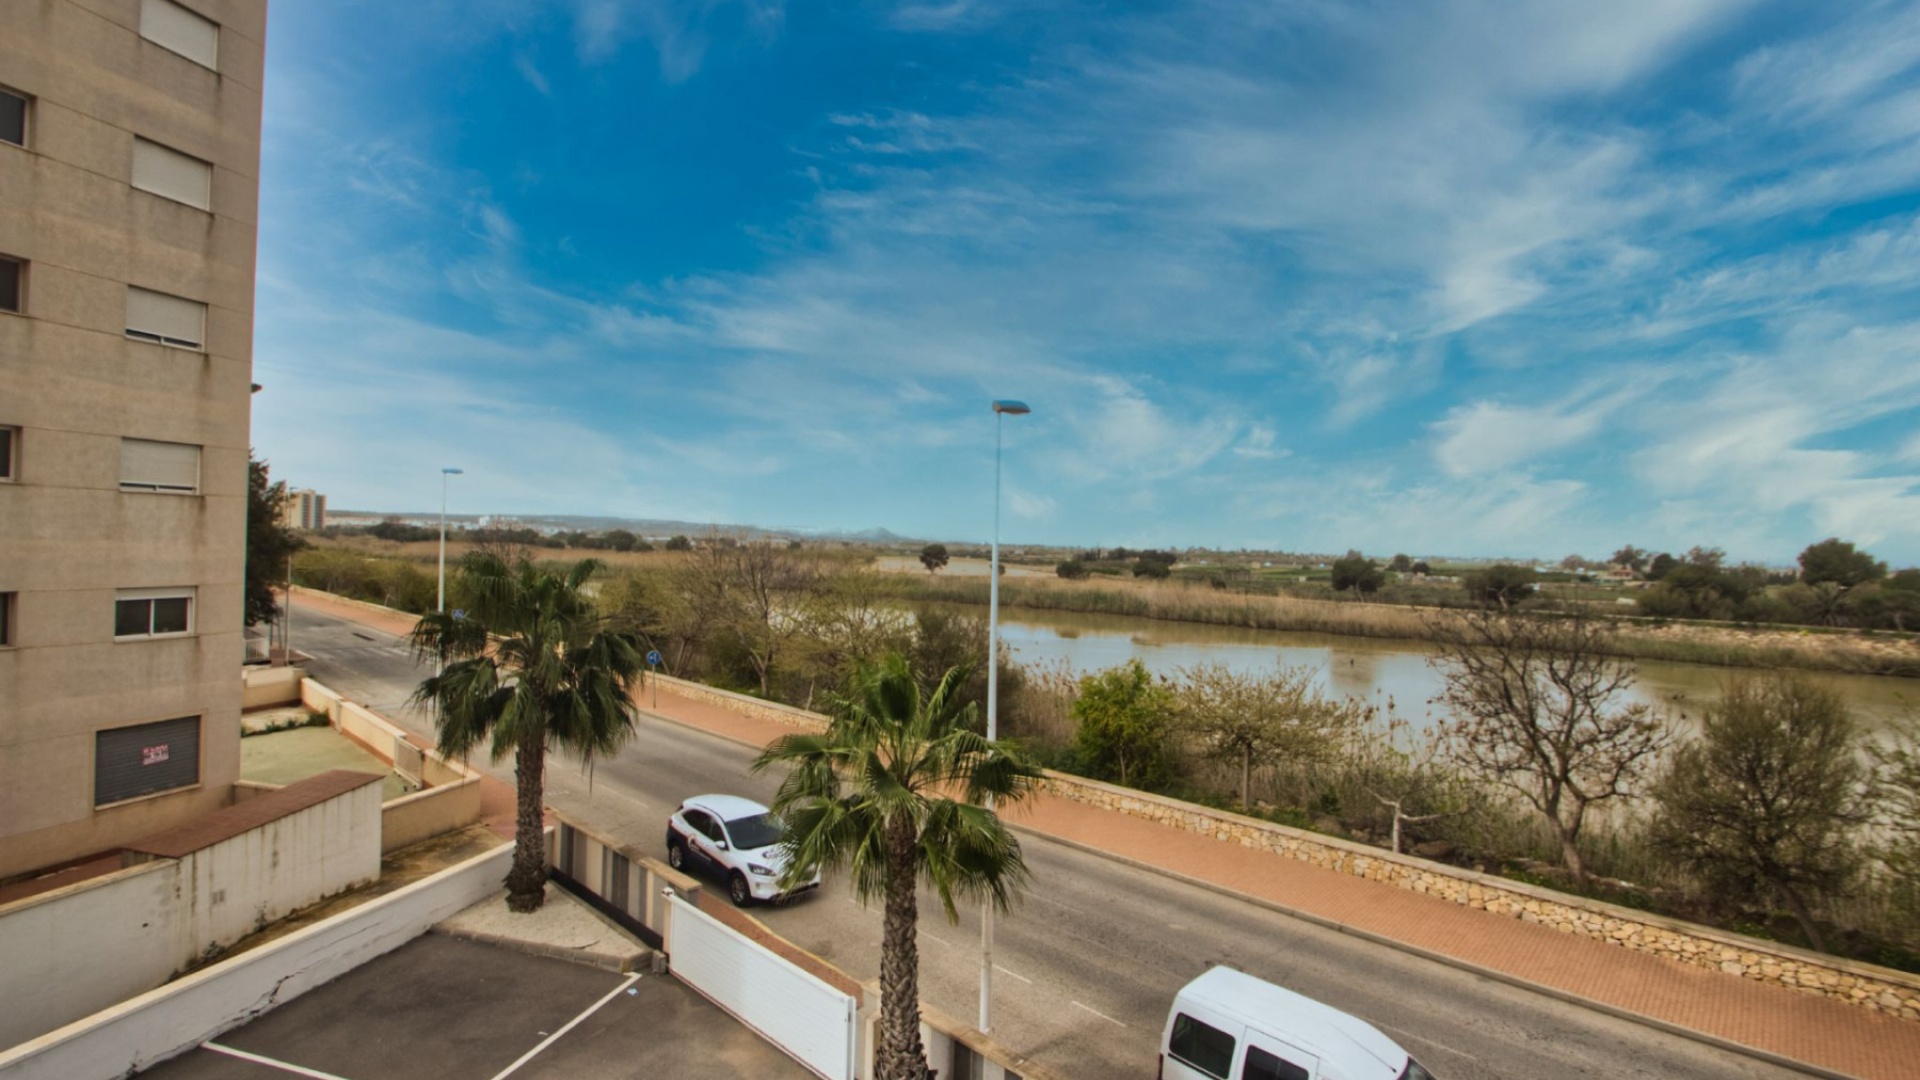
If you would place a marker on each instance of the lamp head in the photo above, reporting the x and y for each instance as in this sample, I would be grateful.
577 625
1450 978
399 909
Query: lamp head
1011 408
454 472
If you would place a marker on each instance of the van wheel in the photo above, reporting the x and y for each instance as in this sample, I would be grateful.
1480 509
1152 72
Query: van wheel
676 855
737 890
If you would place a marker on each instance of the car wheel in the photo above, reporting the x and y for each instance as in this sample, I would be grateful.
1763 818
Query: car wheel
738 891
676 855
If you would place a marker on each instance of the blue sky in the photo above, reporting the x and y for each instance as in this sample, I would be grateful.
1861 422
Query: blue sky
1469 278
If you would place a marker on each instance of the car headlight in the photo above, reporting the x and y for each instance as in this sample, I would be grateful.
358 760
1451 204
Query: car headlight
763 871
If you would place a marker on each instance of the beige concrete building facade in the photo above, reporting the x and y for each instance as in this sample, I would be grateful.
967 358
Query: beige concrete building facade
129 186
304 508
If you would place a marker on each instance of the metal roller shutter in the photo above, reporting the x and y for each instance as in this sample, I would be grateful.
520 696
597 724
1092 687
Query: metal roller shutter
176 29
133 761
172 174
159 466
170 320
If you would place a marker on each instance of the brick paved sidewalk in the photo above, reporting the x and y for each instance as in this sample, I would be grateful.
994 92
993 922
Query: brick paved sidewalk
1794 1026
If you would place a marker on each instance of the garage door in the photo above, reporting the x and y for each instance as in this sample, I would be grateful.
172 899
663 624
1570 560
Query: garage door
133 761
790 1008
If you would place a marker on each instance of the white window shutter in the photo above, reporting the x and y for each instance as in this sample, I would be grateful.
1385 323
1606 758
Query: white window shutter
166 171
171 319
176 29
160 466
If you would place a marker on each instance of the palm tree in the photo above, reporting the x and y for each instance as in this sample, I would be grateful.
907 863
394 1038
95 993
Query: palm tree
897 790
527 666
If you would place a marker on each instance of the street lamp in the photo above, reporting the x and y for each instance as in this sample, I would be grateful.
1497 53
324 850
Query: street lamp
1001 410
441 603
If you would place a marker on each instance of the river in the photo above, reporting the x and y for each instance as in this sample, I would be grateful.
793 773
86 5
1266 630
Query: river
1377 670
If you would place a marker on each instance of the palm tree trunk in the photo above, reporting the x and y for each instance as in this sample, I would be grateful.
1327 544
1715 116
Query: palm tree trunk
527 881
900 1055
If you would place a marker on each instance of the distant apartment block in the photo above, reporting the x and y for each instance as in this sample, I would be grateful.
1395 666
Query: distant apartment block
129 163
304 508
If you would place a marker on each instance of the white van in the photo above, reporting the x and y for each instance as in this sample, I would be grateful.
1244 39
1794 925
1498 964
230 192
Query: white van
1228 1025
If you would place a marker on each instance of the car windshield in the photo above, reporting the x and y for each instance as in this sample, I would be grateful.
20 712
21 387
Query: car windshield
758 831
1414 1071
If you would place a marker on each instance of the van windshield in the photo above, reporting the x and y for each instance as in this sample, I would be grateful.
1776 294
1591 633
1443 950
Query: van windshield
1414 1071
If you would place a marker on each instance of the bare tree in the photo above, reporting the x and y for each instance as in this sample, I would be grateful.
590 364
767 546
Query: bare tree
1399 778
1252 719
751 590
1540 706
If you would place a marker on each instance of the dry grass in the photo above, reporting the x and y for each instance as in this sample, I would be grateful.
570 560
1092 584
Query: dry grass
1730 646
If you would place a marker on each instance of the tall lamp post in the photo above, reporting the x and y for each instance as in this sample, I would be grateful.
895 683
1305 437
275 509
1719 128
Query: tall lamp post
441 603
1001 410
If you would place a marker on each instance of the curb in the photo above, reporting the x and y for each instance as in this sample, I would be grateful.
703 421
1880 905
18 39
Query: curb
1468 966
623 964
1322 921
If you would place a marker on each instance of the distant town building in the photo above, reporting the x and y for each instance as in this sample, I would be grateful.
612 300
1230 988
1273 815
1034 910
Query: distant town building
304 508
129 152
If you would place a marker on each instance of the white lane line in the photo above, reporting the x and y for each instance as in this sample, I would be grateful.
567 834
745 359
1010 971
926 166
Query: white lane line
1429 1042
568 1026
1015 974
939 939
1100 1014
271 1063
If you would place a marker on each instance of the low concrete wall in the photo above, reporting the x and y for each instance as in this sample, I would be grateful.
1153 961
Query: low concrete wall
1866 985
264 686
426 814
137 1034
451 798
84 947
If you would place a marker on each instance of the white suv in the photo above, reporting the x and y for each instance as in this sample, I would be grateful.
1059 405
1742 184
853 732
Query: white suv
736 838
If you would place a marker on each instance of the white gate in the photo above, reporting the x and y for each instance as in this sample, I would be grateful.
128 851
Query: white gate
789 1007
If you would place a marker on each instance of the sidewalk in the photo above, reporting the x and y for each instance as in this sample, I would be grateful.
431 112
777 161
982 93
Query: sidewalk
1797 1028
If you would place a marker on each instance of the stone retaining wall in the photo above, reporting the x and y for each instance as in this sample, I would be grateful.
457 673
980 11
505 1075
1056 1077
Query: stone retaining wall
1866 985
1869 986
752 706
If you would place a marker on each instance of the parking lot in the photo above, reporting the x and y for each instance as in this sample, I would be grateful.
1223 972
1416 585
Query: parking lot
444 1009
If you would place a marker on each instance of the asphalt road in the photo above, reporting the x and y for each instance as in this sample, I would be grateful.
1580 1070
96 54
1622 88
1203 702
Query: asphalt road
1091 958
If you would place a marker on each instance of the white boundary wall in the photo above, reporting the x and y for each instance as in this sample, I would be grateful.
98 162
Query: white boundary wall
159 1024
810 1020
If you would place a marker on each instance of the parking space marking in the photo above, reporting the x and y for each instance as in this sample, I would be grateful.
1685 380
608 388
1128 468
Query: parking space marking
1015 974
568 1026
271 1063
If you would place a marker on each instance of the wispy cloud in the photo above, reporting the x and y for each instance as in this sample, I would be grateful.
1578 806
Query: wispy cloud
1513 277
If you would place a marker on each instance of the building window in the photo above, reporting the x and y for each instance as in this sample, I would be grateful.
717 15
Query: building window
169 320
9 452
7 601
145 759
171 174
176 29
13 117
13 284
169 467
150 613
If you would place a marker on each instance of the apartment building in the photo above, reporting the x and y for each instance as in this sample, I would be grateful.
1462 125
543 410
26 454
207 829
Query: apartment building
303 508
129 184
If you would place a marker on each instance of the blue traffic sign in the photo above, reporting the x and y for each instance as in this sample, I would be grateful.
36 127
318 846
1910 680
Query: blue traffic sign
653 657
459 613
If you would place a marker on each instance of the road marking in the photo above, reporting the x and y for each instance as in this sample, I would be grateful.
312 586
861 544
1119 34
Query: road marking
568 1026
1015 974
271 1063
1100 1014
